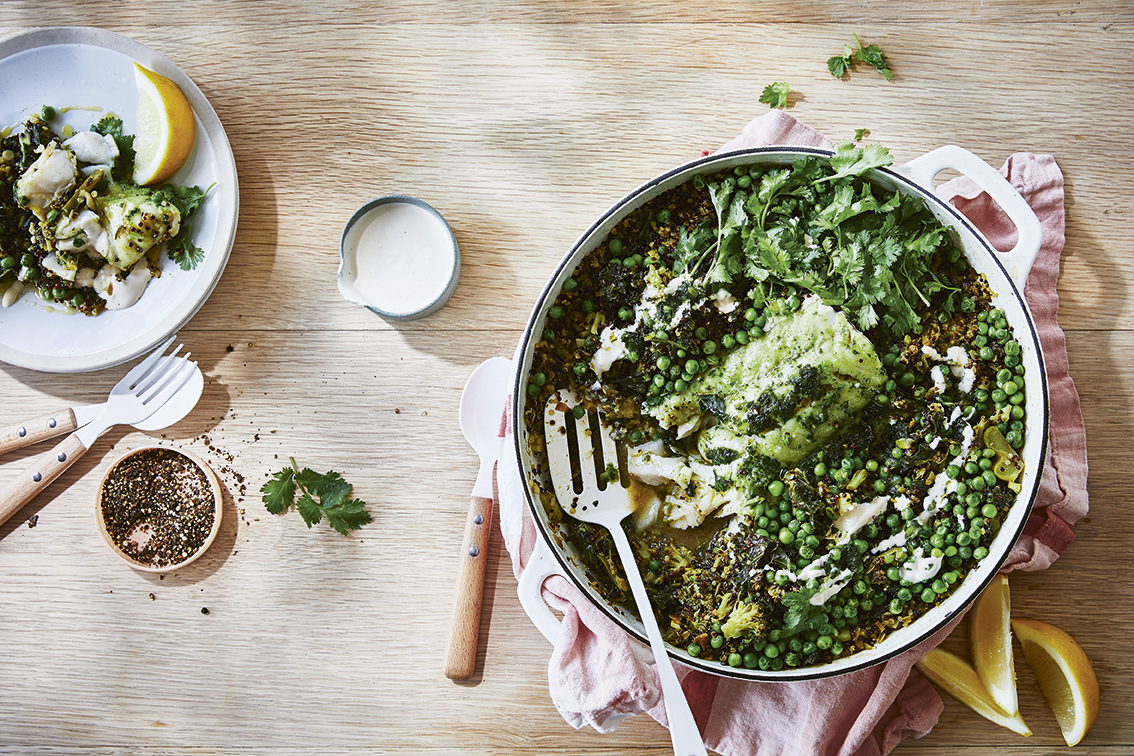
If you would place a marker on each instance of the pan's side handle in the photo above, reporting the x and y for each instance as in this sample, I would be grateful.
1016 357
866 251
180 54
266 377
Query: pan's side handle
541 565
1017 261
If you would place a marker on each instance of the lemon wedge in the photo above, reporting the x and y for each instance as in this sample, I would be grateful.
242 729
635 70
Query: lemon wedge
165 130
990 644
1064 674
959 679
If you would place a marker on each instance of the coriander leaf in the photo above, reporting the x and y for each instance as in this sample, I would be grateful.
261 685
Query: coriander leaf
350 515
838 66
849 160
860 134
311 512
111 126
333 490
279 491
799 613
322 494
775 95
691 247
873 55
187 199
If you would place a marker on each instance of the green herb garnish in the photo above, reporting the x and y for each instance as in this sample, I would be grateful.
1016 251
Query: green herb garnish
181 248
776 95
321 494
111 126
840 65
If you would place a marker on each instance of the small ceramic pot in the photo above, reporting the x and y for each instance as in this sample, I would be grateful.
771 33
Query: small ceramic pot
159 509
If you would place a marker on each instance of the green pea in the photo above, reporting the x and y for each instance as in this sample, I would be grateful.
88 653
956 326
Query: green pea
570 284
693 650
735 659
587 306
751 660
27 260
662 216
786 536
7 263
532 388
716 641
77 300
615 246
771 651
555 312
680 385
776 488
47 113
709 347
928 596
727 341
580 368
578 411
626 313
742 337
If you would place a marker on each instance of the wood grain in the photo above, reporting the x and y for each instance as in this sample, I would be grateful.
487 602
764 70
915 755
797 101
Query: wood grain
521 123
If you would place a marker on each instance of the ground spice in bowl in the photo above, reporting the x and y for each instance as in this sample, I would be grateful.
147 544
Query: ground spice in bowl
159 508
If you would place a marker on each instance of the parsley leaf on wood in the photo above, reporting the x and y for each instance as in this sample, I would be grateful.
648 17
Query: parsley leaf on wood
841 65
775 95
320 494
873 55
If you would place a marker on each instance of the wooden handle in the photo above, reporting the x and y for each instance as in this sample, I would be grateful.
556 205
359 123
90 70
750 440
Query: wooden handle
33 431
460 659
45 468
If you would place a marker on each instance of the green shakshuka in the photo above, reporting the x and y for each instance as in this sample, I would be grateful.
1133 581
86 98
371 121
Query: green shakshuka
821 406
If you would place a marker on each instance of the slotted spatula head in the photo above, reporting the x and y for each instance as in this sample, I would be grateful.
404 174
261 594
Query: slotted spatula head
583 461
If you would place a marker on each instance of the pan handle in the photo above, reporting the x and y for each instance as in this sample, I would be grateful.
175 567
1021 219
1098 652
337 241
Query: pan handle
1018 261
541 565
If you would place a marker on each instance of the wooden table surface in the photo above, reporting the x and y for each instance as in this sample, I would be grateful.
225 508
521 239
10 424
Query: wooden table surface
521 123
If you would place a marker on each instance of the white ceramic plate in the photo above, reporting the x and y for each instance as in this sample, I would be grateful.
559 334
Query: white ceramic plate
70 66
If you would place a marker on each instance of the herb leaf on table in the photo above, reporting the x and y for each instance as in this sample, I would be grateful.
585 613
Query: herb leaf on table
320 494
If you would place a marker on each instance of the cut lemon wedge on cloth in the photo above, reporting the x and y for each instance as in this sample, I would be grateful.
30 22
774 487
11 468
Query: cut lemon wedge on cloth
990 642
1064 674
166 128
959 679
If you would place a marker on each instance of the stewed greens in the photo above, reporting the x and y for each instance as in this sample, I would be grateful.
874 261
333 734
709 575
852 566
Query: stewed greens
823 408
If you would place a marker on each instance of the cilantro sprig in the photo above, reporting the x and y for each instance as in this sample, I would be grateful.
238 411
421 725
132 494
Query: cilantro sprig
872 55
775 95
826 229
321 494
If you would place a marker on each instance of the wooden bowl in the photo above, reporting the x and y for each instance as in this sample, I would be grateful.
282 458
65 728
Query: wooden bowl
159 508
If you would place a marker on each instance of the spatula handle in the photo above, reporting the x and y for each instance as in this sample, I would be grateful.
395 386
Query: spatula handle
44 469
33 431
460 659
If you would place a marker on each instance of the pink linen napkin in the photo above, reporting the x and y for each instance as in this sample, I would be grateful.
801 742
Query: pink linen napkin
598 675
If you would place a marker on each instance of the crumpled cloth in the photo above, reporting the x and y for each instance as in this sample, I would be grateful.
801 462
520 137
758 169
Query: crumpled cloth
598 675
